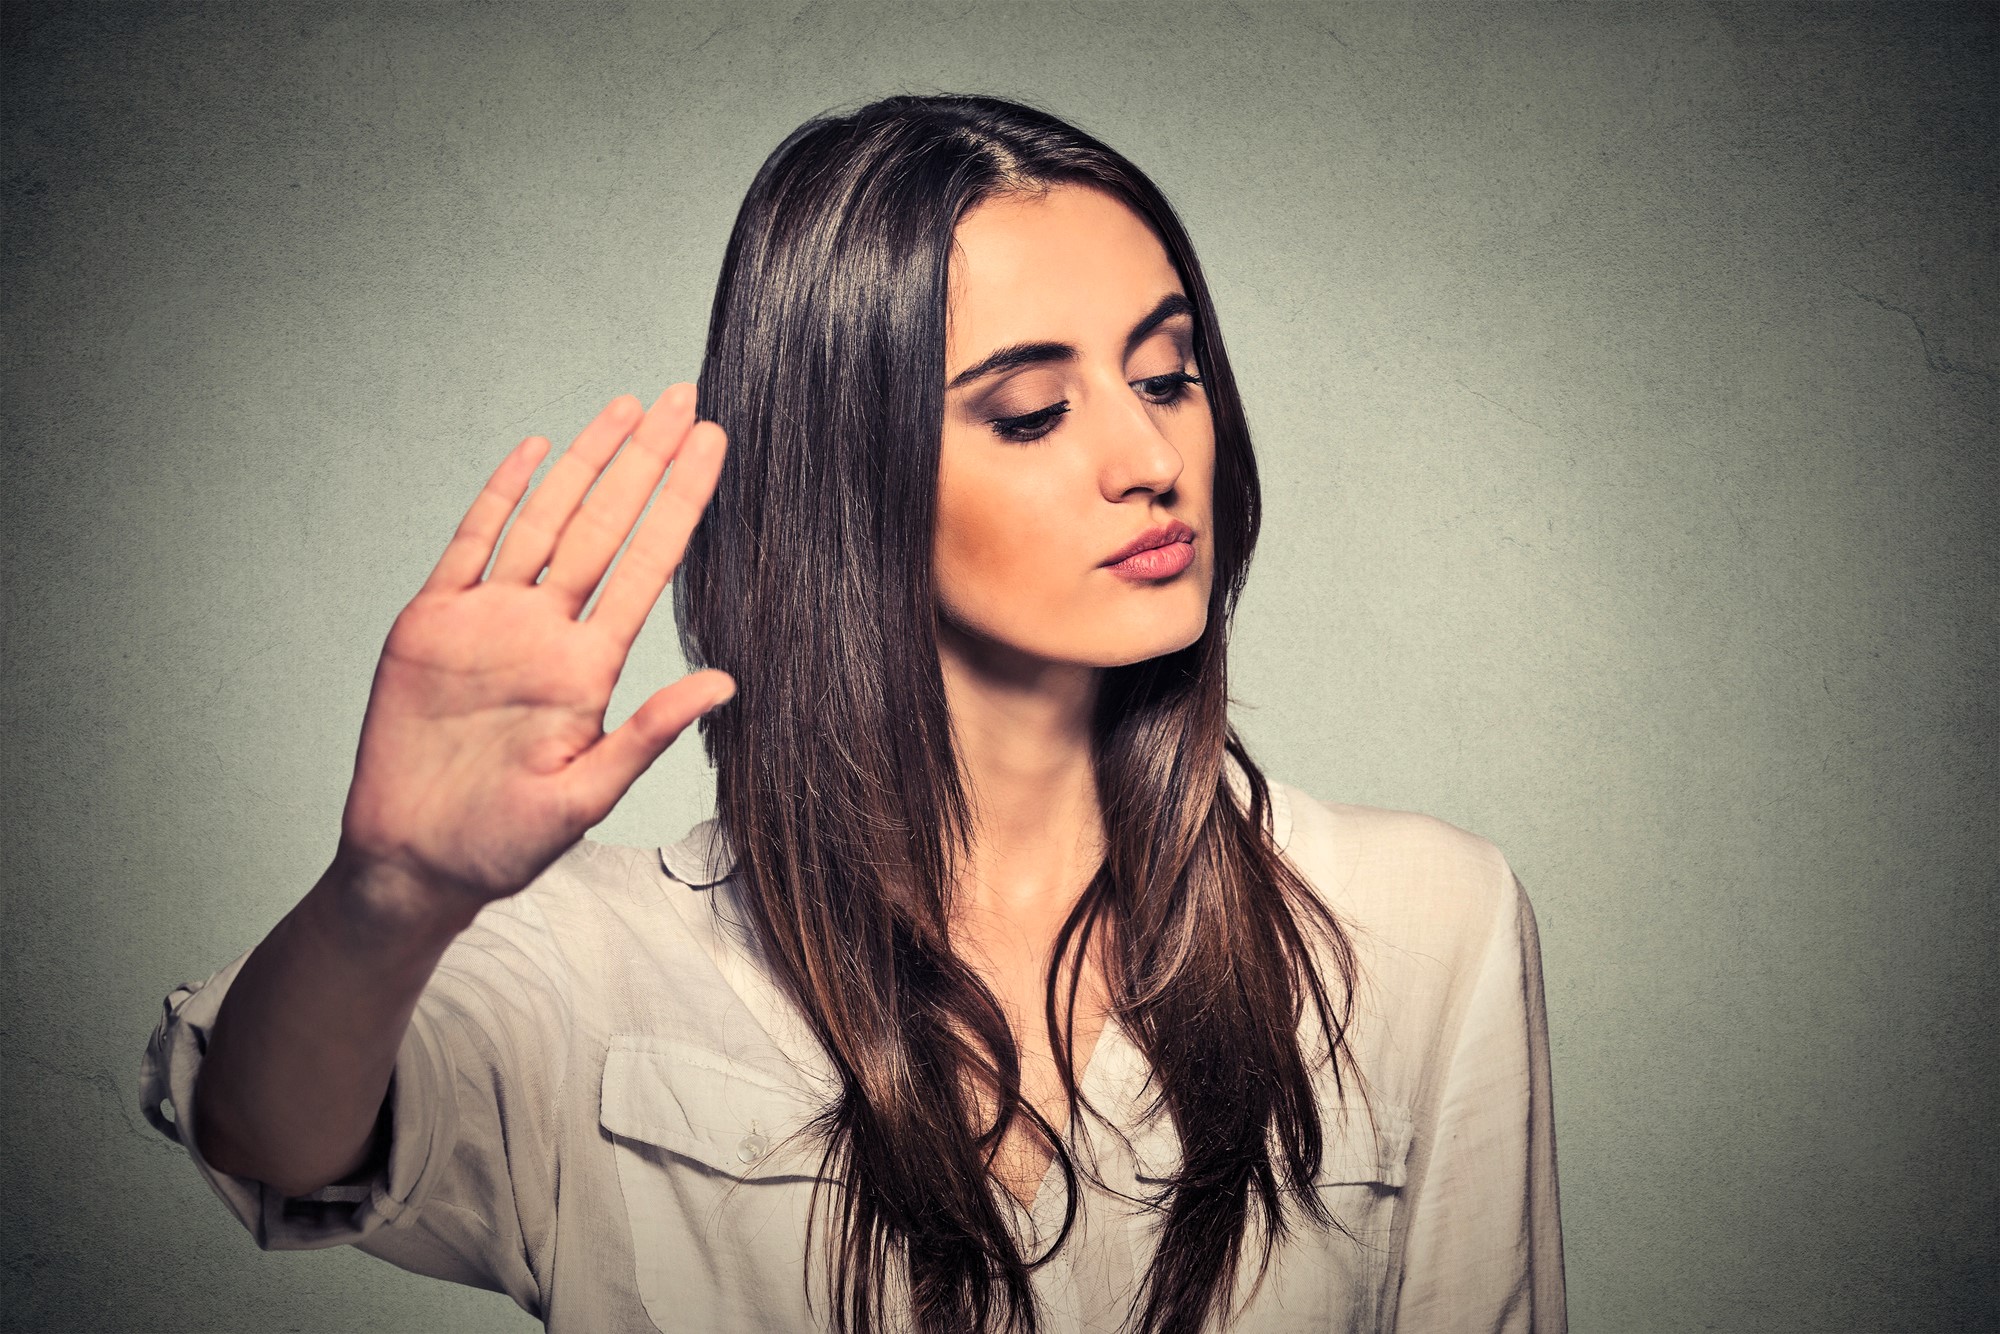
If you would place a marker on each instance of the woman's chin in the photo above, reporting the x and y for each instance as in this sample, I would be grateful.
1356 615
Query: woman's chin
1152 641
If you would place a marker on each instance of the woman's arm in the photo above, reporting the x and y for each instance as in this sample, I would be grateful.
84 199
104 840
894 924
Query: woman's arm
1484 1251
482 758
292 1085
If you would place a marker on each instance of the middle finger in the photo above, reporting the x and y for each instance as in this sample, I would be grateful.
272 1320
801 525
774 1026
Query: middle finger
604 521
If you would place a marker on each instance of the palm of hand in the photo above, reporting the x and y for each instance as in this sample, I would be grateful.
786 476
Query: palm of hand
483 754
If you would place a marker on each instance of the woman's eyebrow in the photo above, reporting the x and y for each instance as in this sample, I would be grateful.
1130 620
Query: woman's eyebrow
1017 355
1172 304
1013 358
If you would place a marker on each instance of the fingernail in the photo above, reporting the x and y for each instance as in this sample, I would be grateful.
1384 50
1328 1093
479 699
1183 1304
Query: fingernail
722 697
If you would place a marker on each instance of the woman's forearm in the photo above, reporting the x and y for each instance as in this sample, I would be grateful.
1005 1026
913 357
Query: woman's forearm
482 758
300 1055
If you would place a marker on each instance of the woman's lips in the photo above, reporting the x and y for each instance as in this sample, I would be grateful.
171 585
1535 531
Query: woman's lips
1161 562
1161 553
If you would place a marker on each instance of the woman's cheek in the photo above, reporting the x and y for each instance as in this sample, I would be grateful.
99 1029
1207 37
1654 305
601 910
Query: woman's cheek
984 562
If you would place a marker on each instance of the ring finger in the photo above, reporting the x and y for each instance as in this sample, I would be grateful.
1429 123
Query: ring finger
532 536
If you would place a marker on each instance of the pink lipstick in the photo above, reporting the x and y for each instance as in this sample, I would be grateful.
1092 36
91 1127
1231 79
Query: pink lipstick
1157 553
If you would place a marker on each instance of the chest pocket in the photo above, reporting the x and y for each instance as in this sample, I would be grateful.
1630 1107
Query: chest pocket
726 1114
1353 1154
717 1186
1342 1272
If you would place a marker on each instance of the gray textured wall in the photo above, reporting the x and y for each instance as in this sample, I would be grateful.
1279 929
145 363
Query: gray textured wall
1624 383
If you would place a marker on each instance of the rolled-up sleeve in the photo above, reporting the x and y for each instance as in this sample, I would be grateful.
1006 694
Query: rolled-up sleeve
465 1189
1485 1241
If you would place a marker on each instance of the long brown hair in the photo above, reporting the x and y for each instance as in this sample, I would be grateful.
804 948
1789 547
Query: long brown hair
809 580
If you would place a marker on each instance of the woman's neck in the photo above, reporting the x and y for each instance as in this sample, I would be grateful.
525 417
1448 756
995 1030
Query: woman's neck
1021 727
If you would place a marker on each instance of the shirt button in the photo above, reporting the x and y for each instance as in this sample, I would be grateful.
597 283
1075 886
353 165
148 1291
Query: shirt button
752 1148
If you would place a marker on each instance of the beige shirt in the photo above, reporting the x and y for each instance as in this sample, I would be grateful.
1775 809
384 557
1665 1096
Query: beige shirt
591 1105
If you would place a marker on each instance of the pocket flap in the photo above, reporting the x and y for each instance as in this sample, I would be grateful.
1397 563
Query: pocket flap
728 1115
1350 1154
1353 1154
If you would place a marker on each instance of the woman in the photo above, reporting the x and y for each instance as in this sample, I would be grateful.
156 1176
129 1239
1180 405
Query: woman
1002 990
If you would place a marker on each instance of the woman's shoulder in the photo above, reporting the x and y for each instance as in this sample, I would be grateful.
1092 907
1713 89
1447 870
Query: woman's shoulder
574 891
1400 876
1433 913
630 946
599 906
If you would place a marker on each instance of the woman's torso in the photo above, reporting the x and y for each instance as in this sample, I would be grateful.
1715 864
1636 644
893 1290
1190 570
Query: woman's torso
679 1200
596 1104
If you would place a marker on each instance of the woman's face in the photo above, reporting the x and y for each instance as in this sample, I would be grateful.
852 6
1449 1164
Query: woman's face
1073 427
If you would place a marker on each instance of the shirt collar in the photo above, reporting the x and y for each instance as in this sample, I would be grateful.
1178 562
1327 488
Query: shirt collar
704 857
701 859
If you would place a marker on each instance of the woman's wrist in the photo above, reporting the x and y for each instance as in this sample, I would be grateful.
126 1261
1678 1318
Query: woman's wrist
386 910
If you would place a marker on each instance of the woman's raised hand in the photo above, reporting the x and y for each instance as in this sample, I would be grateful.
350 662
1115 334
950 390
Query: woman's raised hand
483 754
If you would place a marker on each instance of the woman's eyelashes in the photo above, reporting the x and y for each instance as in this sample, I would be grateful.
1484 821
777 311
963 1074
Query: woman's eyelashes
1161 390
1029 425
1169 388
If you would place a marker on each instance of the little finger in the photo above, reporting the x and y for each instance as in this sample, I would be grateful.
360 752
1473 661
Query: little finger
465 556
525 549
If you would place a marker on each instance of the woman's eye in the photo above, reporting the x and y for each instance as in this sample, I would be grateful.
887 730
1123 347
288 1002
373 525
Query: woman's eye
1163 390
1030 425
1169 388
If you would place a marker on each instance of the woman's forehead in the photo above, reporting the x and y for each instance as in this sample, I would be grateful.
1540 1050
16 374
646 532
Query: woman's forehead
1054 264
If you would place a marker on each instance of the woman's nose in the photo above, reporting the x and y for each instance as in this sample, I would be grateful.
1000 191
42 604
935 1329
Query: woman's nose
1137 454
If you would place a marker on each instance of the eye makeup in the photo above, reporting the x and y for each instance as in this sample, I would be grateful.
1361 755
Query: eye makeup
1166 390
1026 405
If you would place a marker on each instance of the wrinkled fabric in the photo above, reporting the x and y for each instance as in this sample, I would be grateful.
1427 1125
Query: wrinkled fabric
596 1110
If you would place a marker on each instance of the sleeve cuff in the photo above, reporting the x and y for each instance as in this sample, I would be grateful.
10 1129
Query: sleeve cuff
421 1121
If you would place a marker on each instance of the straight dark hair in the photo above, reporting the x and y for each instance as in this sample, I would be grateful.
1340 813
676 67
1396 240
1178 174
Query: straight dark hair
809 580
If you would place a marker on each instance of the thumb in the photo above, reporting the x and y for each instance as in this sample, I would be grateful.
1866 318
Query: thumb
602 774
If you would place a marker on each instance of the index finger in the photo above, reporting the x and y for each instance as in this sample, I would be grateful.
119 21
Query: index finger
656 548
